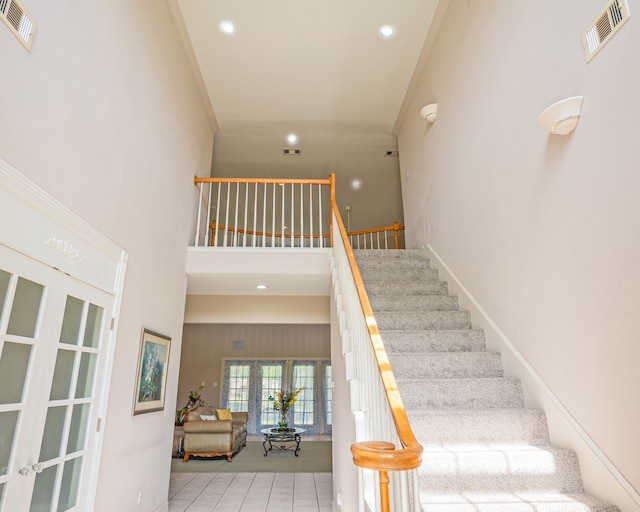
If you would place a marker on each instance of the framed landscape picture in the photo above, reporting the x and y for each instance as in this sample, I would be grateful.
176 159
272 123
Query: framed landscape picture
151 379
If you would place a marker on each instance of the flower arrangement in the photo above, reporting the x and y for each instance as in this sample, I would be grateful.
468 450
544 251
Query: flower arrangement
282 402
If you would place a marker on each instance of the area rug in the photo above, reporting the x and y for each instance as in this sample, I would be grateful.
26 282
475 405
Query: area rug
313 457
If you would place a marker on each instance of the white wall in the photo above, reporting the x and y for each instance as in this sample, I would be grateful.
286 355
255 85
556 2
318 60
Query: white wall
105 115
542 230
203 309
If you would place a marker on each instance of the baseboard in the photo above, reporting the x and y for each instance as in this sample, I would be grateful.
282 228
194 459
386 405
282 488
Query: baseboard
600 476
163 508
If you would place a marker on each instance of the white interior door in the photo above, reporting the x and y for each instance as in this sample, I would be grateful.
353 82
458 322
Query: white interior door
52 332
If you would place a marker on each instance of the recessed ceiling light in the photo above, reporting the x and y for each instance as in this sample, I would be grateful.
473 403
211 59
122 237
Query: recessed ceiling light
387 31
292 138
227 27
262 287
356 184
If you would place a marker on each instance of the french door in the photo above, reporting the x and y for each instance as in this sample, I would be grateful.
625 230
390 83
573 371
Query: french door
52 338
248 384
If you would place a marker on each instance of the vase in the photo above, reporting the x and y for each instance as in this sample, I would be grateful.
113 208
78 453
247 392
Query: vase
283 420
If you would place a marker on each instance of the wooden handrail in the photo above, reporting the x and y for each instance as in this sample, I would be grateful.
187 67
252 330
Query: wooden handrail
277 181
379 455
262 233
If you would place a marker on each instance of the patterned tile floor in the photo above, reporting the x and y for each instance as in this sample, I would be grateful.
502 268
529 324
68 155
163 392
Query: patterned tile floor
250 492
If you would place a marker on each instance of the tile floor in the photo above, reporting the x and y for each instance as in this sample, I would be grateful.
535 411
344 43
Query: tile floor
250 492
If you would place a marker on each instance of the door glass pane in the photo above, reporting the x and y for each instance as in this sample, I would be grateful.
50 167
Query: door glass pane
24 311
14 363
62 375
328 394
43 490
70 331
52 437
8 422
70 481
78 428
84 386
238 387
271 383
303 377
94 326
4 284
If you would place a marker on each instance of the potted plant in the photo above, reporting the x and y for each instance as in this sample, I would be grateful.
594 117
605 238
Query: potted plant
194 401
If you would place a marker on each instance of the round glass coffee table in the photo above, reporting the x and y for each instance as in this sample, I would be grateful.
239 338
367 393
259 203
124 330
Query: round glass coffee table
282 439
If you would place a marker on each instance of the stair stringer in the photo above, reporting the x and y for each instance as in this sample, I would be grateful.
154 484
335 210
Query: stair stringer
600 477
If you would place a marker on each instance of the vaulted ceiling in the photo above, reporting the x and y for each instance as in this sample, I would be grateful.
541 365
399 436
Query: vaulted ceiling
303 66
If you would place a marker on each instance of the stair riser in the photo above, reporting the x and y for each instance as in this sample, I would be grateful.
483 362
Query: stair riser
480 426
439 320
446 366
434 341
499 471
509 502
414 303
461 393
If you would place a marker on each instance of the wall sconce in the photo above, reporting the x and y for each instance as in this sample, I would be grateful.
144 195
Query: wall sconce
428 112
562 117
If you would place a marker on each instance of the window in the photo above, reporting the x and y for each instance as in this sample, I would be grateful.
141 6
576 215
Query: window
248 384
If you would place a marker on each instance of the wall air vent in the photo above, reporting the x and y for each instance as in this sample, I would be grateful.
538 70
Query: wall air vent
602 29
19 21
289 151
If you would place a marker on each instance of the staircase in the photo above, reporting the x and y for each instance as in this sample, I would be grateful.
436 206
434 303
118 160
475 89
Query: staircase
483 451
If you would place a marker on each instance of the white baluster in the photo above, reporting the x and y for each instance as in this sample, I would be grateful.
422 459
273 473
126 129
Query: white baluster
235 218
255 214
197 240
226 221
216 231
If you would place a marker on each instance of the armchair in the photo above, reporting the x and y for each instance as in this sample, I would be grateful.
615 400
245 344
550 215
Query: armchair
205 438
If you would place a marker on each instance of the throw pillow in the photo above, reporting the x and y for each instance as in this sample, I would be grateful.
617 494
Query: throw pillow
205 417
224 414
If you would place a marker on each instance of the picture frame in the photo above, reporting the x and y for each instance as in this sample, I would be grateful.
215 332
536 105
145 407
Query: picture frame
151 377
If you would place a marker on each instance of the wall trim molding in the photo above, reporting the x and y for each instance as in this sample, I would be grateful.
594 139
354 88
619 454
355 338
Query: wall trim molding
608 464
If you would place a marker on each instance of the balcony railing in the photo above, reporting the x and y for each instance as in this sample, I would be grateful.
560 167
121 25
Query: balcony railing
264 212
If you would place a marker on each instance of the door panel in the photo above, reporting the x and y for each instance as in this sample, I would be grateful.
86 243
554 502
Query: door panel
51 341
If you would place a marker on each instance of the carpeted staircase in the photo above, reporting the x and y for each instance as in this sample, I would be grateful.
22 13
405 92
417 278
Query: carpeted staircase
483 451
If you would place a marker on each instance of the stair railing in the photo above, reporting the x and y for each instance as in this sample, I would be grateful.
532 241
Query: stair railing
386 449
377 238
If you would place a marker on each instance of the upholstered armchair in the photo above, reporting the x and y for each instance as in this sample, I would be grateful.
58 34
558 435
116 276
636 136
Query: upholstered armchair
205 436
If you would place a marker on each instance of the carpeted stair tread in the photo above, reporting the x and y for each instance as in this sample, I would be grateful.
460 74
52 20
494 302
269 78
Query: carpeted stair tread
452 340
489 468
440 320
427 287
446 365
392 275
514 502
480 426
460 393
392 263
398 254
435 302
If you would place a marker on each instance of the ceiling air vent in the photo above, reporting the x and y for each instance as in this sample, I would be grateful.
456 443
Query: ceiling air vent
287 151
603 28
19 21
